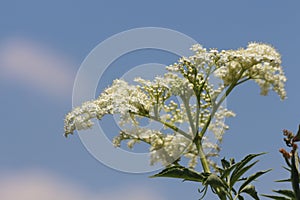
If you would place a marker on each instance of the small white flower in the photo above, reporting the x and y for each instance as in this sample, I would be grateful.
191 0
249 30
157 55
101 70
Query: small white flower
187 80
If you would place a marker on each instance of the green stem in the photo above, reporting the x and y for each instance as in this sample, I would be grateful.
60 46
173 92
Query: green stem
216 107
244 80
203 160
198 94
197 115
189 114
198 138
204 163
174 128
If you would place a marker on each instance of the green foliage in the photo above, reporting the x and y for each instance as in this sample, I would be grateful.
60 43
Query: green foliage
224 182
188 80
295 174
287 195
181 172
292 161
294 180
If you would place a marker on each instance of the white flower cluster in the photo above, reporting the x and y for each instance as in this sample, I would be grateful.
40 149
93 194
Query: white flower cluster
183 97
218 126
259 62
120 98
80 117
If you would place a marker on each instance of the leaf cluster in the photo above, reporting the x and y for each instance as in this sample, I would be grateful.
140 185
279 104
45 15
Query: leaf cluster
293 168
229 182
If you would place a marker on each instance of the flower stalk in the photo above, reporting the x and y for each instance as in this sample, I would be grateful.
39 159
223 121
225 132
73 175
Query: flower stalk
187 123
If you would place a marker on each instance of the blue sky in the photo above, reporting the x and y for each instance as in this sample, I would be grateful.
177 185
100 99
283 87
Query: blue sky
42 45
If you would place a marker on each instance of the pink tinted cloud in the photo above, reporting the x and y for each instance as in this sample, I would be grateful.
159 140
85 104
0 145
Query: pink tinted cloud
36 67
38 185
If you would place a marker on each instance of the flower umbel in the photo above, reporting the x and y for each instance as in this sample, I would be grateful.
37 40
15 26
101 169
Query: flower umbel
259 62
184 101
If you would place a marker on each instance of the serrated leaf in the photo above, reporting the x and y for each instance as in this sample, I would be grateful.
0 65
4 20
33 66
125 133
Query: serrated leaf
243 162
226 172
235 176
251 178
225 163
218 186
276 197
284 180
288 193
214 181
182 173
250 190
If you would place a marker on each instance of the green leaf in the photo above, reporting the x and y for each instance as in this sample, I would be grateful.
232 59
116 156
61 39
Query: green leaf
288 169
288 193
284 180
251 178
204 190
287 161
297 136
225 173
232 161
218 186
214 181
250 189
242 179
238 173
240 197
242 163
276 197
225 163
221 192
295 174
182 173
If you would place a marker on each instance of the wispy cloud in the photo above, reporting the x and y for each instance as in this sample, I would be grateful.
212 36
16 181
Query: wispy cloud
36 66
38 185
